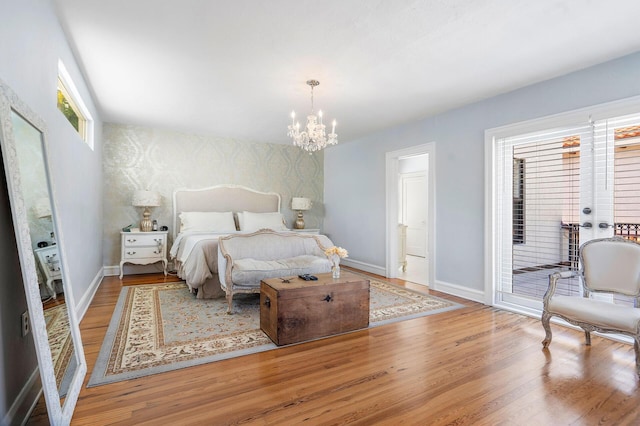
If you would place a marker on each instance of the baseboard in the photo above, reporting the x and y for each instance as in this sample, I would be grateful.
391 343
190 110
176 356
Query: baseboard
367 267
458 290
25 402
111 271
83 304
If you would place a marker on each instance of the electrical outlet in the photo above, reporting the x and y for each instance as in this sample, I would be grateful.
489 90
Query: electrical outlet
26 326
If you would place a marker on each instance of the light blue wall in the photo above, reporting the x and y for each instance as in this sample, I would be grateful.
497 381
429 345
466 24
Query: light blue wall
355 171
32 42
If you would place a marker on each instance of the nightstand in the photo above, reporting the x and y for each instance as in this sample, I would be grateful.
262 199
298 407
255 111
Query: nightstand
143 248
49 261
307 231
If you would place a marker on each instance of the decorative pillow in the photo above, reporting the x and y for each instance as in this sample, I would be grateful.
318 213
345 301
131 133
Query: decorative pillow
207 221
250 221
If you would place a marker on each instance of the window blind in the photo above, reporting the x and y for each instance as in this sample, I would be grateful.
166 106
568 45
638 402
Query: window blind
538 197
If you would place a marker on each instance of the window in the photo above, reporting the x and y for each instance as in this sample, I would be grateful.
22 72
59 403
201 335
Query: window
68 108
518 201
72 107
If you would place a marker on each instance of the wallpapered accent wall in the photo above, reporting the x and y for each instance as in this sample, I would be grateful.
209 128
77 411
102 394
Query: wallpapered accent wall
163 160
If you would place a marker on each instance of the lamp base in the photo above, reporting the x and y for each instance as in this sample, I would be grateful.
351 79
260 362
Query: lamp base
145 224
299 223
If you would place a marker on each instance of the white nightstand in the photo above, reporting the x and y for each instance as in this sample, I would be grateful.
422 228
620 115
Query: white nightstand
143 248
307 231
50 264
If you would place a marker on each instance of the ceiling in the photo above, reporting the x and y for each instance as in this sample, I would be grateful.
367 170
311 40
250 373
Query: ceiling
238 68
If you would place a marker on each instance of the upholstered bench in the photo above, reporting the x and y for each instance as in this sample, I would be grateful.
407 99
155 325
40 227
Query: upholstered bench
246 259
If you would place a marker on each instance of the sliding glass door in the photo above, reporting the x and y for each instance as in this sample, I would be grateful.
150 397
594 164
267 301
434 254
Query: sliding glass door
556 189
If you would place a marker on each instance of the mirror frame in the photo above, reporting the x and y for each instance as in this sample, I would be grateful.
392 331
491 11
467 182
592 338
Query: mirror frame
58 413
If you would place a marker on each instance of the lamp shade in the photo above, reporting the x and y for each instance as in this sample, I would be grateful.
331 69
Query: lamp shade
42 208
300 203
146 199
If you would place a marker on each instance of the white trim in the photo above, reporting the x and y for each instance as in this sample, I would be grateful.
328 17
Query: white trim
597 112
22 405
392 187
83 304
111 271
458 290
67 81
367 267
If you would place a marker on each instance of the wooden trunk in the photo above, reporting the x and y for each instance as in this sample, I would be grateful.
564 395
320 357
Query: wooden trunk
305 310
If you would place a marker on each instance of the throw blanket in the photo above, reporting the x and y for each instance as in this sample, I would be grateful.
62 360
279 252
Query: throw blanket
195 256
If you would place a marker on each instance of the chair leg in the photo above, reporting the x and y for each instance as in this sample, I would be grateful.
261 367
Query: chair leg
547 329
587 338
229 302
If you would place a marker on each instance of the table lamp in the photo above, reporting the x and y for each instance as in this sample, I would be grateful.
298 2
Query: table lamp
300 204
146 199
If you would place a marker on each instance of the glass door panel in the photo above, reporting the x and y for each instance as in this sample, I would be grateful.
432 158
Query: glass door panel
556 190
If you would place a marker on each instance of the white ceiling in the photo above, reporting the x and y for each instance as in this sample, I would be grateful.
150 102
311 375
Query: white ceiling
238 68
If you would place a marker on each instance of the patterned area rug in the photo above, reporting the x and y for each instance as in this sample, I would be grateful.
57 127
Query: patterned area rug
60 342
162 327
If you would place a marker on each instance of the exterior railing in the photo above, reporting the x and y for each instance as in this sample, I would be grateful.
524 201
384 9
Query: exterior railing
630 231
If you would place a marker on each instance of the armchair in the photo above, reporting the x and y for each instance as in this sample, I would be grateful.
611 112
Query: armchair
608 265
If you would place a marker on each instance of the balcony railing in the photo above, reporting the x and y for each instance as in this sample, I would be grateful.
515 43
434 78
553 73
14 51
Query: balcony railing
630 231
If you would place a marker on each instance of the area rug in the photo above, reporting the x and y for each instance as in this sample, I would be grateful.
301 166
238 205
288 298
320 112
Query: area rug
162 327
60 342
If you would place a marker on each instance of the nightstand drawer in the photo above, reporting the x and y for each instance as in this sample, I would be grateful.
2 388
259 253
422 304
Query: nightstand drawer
142 252
143 240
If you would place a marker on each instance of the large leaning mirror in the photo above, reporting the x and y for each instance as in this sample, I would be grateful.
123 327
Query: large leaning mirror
54 324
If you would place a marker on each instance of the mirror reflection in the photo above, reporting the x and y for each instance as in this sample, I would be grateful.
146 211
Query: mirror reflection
37 201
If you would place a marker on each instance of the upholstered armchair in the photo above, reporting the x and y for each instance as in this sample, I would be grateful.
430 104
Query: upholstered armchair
608 265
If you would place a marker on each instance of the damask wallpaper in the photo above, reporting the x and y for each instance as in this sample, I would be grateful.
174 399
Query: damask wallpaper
164 160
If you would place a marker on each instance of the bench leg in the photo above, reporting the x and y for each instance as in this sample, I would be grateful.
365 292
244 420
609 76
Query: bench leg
229 302
547 329
587 338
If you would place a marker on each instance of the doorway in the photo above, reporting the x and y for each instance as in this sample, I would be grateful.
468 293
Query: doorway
410 207
556 189
413 204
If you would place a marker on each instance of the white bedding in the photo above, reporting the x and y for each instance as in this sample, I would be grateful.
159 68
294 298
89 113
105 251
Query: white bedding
195 253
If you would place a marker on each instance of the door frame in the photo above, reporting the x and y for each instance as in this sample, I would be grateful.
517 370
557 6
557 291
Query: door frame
392 160
491 247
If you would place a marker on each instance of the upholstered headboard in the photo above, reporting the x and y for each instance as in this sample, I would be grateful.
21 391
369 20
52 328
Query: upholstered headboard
222 198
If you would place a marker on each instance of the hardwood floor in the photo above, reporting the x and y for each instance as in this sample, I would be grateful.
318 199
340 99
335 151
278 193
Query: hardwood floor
475 365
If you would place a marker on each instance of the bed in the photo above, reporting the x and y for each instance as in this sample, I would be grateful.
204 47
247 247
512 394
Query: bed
202 216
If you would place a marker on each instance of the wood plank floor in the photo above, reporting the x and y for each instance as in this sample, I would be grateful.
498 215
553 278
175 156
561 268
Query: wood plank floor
476 365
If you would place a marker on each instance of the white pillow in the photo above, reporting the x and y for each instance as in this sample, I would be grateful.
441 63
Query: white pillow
207 221
250 221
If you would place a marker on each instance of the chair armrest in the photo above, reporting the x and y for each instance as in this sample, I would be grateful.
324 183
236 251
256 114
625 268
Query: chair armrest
225 264
553 281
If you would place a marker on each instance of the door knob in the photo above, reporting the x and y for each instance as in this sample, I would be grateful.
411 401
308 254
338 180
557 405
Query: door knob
587 225
604 225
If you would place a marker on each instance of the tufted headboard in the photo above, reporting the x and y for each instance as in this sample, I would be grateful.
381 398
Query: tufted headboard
222 198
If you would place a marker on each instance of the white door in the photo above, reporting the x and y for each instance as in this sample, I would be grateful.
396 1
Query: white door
559 189
414 212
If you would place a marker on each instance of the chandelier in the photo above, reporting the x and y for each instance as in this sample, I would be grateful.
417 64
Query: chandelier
313 137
